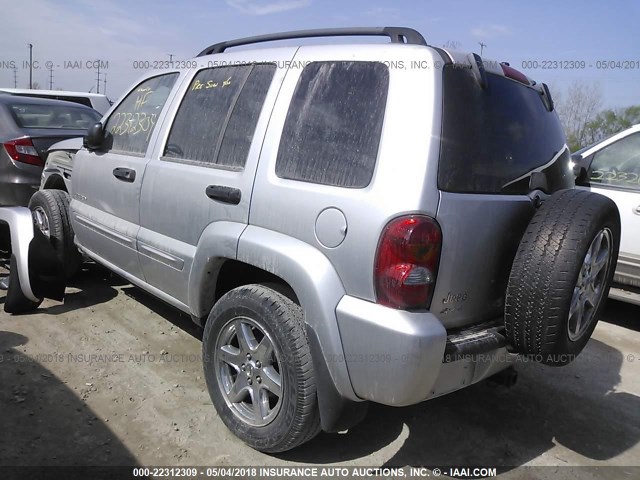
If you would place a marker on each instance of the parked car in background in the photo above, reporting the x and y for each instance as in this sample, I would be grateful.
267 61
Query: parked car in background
59 163
98 102
612 168
28 127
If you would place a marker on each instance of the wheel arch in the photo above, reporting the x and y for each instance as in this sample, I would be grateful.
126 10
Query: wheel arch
55 182
231 255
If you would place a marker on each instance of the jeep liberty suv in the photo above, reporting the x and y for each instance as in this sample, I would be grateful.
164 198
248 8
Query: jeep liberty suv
380 222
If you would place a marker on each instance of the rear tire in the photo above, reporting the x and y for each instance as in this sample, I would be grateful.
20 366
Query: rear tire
50 209
255 351
561 275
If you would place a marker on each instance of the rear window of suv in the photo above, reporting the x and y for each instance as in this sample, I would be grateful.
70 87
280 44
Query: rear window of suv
332 132
494 138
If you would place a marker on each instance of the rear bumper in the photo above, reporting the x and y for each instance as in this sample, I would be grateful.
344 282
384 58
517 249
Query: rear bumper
21 227
401 358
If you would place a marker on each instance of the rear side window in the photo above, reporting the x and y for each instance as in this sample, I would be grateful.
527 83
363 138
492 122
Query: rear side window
494 138
218 116
618 164
332 132
133 121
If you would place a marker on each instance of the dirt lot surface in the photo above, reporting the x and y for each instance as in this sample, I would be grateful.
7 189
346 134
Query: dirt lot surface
113 377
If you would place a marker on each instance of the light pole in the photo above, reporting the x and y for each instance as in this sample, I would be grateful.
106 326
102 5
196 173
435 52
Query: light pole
482 45
98 80
51 77
30 65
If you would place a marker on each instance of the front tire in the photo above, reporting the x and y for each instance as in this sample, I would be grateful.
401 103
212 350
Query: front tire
258 369
561 275
50 210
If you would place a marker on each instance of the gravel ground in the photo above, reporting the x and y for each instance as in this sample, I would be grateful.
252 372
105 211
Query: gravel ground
113 377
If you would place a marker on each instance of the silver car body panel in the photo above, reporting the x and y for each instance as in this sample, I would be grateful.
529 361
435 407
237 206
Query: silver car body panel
134 280
174 225
404 180
393 356
162 233
106 210
316 284
20 224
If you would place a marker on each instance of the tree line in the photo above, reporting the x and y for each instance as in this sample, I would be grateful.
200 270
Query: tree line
584 120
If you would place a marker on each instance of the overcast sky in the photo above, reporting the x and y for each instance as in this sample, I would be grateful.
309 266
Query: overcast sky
70 33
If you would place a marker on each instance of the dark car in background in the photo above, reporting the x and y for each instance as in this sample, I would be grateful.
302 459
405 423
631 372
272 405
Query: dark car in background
28 127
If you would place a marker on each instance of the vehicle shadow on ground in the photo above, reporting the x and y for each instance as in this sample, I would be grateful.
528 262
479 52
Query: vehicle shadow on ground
172 315
576 406
91 286
623 314
44 422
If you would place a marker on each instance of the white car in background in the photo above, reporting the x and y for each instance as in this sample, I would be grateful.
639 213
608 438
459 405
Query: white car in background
97 101
612 168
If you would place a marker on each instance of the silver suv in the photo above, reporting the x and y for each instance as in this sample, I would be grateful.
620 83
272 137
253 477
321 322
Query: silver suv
349 223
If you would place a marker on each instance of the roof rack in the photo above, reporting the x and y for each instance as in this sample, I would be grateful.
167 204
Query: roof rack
396 34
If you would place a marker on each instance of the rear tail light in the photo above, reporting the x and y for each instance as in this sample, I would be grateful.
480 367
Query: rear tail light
407 262
22 150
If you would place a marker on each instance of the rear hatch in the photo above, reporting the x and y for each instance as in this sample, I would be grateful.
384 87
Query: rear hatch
495 137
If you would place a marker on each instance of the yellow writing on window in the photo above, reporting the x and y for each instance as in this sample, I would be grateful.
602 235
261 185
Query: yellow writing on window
198 85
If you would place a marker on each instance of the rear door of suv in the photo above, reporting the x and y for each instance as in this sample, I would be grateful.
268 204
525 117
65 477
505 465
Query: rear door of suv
106 184
202 171
493 139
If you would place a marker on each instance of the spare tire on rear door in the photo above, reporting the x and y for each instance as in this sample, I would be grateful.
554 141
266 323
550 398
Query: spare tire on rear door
561 276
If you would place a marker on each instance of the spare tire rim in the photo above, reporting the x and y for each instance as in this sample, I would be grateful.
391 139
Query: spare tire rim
42 221
591 284
249 371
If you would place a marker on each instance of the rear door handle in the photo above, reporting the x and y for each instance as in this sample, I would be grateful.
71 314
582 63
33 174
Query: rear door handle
124 174
224 194
637 210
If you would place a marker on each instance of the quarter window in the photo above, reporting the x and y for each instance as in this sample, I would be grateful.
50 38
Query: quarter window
134 120
332 132
618 164
218 116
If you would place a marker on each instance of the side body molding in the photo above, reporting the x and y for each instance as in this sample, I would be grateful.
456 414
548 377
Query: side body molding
318 288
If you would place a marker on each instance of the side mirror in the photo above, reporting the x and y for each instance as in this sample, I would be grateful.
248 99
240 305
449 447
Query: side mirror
582 175
581 170
94 139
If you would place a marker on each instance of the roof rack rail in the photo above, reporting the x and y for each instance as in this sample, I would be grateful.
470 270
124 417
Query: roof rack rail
396 34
